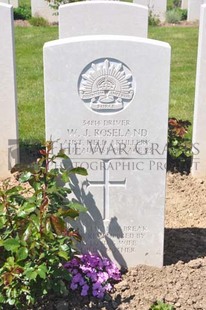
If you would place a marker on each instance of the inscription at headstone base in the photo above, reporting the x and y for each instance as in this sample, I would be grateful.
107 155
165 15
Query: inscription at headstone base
107 103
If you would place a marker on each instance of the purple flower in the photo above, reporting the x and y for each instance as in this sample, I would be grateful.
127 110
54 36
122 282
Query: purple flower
85 269
97 290
77 278
102 276
82 281
92 276
73 263
90 271
73 286
85 289
74 271
108 287
105 262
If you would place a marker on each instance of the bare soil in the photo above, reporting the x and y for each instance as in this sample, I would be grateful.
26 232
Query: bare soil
185 23
22 23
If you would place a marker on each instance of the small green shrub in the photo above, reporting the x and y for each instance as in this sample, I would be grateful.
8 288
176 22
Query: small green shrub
183 14
153 20
159 305
171 4
39 22
173 16
35 240
22 12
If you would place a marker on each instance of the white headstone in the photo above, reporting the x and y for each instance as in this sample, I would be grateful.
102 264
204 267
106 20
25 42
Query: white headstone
199 120
102 17
194 9
107 101
14 3
41 8
158 8
8 113
184 4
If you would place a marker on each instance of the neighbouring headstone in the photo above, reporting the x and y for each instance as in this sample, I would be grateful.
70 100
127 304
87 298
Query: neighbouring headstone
199 120
14 3
102 17
8 113
157 8
41 8
184 4
194 9
107 105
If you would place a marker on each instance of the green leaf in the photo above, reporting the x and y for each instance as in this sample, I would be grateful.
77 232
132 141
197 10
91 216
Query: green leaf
68 213
10 261
14 190
2 222
22 253
65 247
11 301
26 209
11 245
42 274
61 154
35 220
31 274
2 298
2 209
79 170
27 232
42 269
25 176
77 206
63 255
36 185
65 176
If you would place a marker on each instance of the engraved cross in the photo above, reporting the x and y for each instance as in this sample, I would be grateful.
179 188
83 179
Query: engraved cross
106 184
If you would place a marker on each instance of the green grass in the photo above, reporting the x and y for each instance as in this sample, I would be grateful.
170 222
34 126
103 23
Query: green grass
29 58
183 41
24 2
29 44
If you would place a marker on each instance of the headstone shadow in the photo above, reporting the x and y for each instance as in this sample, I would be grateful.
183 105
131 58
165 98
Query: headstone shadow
95 238
184 244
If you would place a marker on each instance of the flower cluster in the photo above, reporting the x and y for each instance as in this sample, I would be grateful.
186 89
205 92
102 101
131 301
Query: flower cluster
92 274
